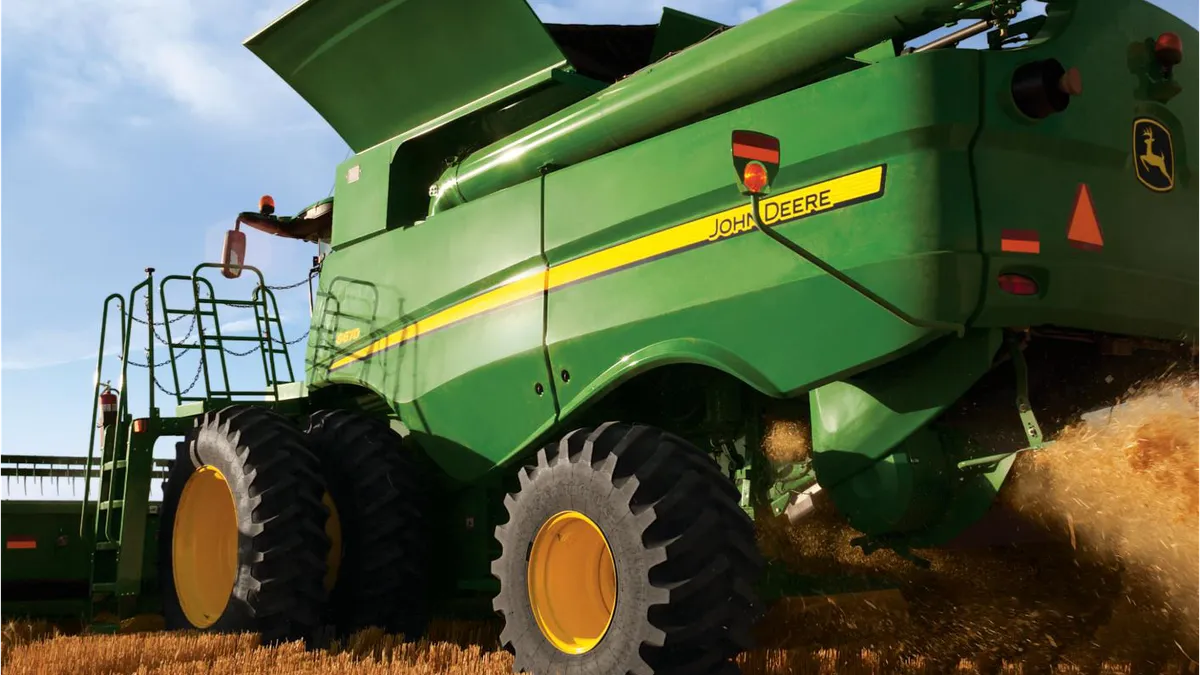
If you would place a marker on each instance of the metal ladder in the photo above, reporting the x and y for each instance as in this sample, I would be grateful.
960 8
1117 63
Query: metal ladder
117 532
269 339
117 535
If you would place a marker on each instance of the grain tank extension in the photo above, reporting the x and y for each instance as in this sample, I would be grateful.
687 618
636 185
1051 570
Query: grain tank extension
569 276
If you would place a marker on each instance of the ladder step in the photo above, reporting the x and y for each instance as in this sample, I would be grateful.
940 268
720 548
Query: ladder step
114 504
234 338
104 587
109 466
108 546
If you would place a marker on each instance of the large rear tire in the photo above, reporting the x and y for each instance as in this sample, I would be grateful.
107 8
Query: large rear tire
380 492
626 552
241 543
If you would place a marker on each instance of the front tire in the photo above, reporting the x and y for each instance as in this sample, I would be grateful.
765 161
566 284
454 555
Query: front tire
626 552
242 545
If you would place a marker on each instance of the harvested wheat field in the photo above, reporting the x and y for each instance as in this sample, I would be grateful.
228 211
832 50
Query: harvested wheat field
1114 590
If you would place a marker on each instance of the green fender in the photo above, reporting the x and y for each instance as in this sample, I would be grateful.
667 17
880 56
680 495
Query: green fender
875 453
671 352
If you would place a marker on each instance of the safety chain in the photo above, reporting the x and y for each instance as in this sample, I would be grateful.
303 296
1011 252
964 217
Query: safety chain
187 335
160 322
195 379
246 353
289 343
303 281
192 327
230 352
142 365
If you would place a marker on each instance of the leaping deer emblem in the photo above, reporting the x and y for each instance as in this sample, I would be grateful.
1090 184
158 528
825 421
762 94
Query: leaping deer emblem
1149 158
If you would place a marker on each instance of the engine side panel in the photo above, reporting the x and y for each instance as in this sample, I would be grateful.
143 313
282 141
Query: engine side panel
879 160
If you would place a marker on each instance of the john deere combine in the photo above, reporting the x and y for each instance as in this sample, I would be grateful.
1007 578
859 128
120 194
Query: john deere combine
572 269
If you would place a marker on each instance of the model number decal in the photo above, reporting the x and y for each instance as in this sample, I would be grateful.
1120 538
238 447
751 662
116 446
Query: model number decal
806 201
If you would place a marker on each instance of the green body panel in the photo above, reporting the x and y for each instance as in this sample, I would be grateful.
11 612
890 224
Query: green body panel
609 328
52 580
46 522
873 451
746 297
375 70
678 30
760 53
1143 282
554 199
483 370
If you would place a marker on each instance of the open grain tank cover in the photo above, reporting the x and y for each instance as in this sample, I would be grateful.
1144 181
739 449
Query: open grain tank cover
377 69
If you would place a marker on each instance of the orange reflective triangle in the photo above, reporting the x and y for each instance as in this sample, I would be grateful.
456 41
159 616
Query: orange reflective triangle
1084 231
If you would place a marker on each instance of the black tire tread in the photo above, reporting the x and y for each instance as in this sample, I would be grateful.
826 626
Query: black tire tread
381 495
692 524
287 542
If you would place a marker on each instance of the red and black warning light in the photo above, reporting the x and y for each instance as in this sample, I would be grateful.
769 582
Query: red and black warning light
756 160
1168 50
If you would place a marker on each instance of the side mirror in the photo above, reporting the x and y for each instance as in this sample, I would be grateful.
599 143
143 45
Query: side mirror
756 161
233 255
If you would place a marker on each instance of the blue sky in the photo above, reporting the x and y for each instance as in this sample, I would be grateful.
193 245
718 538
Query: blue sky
132 133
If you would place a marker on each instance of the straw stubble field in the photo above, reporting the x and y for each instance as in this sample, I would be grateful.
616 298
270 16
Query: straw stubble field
1113 591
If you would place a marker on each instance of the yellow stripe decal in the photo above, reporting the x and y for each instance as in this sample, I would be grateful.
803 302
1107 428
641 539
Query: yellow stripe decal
785 207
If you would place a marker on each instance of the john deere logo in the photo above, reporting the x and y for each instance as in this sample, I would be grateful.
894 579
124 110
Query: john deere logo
1153 155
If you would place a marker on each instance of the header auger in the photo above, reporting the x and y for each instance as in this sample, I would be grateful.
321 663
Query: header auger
574 270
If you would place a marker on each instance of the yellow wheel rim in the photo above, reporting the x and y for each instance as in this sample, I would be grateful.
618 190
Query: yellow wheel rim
333 530
572 582
204 547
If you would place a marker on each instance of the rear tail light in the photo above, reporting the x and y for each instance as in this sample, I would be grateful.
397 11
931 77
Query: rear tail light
1017 284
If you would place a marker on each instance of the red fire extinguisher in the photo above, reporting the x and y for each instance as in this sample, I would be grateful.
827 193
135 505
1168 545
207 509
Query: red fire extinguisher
108 407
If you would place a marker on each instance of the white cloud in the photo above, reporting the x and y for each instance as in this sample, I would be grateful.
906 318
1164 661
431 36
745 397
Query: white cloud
100 61
49 348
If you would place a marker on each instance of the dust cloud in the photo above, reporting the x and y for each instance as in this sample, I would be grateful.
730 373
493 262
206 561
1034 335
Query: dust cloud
1122 487
1110 576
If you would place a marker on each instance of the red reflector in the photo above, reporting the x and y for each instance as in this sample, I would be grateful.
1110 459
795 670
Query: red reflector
1020 241
761 154
20 542
753 145
755 177
1017 284
1084 230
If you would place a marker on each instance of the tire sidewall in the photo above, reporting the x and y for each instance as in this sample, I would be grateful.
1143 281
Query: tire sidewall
204 446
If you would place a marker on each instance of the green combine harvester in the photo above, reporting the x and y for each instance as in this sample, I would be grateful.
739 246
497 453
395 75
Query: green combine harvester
572 271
